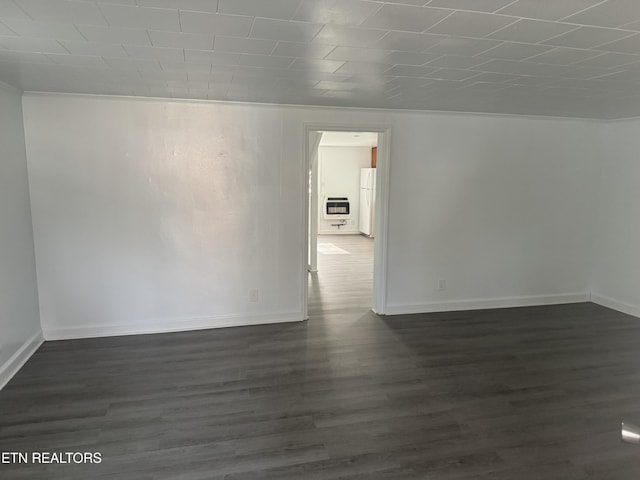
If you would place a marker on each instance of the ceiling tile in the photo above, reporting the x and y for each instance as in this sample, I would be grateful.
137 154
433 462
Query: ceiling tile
62 11
367 53
30 28
485 86
632 26
328 85
210 57
452 74
463 46
610 60
562 92
212 24
190 84
167 74
402 82
316 65
139 17
550 10
211 76
35 45
626 45
409 58
243 45
522 68
515 51
302 50
181 40
23 57
189 68
531 31
337 12
115 35
208 6
587 72
530 80
348 36
133 63
474 5
611 13
594 85
406 2
93 48
357 54
410 71
408 41
265 61
131 3
563 56
495 77
9 9
279 9
283 30
631 76
362 68
157 53
405 18
456 61
471 24
5 31
77 60
587 37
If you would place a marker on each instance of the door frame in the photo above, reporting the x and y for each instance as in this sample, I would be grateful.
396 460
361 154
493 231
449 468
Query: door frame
314 145
383 170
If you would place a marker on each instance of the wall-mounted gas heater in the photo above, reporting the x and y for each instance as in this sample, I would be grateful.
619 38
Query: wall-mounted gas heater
336 208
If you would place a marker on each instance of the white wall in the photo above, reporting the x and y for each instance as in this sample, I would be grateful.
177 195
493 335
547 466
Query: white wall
157 215
501 208
20 333
339 174
616 275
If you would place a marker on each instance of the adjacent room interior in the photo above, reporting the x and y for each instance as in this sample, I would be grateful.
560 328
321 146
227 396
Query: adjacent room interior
343 189
161 314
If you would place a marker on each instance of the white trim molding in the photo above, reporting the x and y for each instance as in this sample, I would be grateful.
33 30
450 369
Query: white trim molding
489 303
332 107
169 325
379 300
18 359
617 305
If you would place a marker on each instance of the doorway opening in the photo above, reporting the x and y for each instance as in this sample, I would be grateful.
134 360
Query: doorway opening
347 174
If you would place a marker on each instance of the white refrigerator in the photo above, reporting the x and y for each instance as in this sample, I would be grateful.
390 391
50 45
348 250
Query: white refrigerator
367 200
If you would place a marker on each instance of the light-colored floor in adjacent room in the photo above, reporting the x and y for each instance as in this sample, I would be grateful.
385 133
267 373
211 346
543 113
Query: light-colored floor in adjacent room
344 281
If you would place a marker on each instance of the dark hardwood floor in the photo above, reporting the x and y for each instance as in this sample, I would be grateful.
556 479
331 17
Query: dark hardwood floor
516 394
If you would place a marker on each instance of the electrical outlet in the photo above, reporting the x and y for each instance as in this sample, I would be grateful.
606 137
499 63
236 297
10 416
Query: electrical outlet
442 284
253 295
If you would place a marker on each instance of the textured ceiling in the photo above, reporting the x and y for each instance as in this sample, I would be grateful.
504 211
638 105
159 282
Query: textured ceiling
349 139
574 58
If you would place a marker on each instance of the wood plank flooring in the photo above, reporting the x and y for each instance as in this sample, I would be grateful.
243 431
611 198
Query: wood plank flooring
343 283
516 394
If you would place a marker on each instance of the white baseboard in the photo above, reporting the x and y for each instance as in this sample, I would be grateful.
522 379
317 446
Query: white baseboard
614 304
168 325
18 359
483 304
